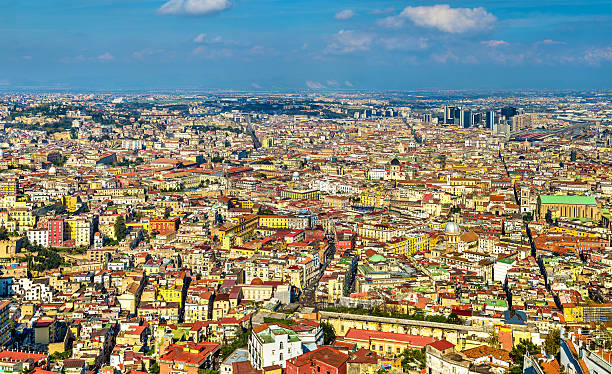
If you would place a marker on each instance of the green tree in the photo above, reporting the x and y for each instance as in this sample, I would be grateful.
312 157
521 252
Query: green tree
521 349
120 229
548 217
329 333
265 211
411 357
60 355
154 368
454 319
493 340
552 343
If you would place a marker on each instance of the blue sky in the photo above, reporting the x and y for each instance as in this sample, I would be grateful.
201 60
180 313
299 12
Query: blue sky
305 45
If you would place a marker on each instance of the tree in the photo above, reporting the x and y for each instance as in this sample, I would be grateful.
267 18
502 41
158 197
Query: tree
60 355
573 155
120 228
521 349
154 368
548 217
3 233
493 340
454 319
413 357
552 343
329 333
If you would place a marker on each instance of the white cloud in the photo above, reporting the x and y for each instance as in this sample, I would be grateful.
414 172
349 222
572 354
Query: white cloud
5 83
206 52
106 57
596 56
444 18
345 14
199 50
494 43
255 85
404 43
200 38
147 52
314 85
194 7
443 58
382 11
256 50
332 83
347 41
348 84
548 42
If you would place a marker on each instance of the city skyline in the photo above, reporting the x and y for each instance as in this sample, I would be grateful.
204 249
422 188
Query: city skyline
310 46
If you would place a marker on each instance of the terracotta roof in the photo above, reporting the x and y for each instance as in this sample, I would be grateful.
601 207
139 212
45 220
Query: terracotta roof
190 353
327 355
485 350
21 356
442 345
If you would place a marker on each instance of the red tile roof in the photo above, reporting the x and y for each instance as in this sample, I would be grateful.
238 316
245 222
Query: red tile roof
190 353
327 355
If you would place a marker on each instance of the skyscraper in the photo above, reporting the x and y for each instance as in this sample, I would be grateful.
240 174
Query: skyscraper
509 112
465 118
490 119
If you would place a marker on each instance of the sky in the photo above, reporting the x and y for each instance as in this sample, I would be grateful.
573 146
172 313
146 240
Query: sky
305 45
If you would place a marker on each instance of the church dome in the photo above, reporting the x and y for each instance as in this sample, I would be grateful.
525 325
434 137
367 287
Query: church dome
452 228
257 282
395 162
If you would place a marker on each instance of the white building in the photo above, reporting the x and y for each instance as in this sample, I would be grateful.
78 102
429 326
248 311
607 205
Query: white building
271 344
33 289
83 232
501 267
39 236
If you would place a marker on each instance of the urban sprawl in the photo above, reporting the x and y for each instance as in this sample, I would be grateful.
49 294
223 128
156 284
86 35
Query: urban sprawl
306 233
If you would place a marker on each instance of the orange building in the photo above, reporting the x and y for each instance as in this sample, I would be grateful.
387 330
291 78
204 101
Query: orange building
188 358
164 226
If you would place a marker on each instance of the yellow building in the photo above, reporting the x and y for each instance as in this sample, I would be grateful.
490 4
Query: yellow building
573 313
569 206
24 218
170 294
300 195
70 202
373 197
273 221
237 232
9 187
408 245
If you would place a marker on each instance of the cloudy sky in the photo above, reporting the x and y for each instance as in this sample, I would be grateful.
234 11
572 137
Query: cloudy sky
305 45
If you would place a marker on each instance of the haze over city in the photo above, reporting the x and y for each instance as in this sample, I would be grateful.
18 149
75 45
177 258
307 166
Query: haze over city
305 45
